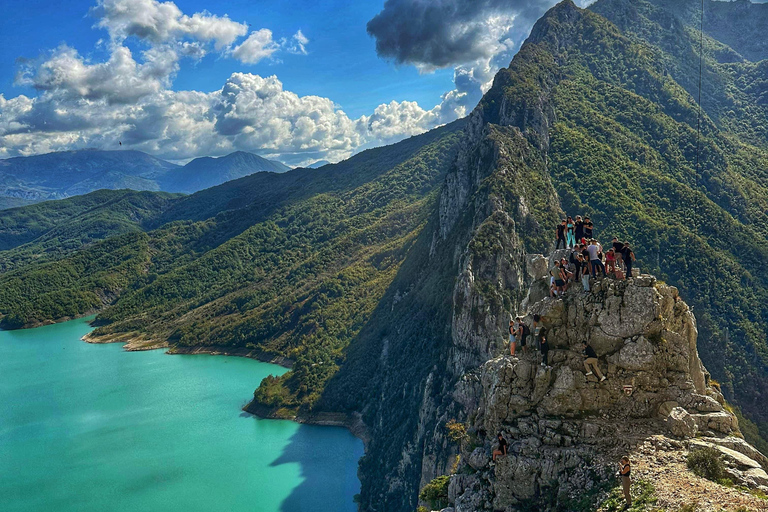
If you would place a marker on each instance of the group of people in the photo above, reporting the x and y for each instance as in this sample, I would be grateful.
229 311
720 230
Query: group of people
533 338
588 257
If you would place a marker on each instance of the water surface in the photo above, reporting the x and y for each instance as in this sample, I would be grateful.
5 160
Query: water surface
94 428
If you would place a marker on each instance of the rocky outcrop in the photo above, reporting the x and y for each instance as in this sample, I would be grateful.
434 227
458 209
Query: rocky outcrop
565 428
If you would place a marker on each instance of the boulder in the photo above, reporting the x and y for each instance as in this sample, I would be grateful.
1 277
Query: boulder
681 424
478 459
635 355
536 266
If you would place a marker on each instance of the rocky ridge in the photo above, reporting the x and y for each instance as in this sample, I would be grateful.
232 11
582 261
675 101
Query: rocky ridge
567 430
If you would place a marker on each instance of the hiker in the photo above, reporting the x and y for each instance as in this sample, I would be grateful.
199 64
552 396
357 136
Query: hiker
544 347
579 231
574 263
629 257
591 360
502 448
617 247
523 331
552 289
594 259
561 234
624 471
584 272
536 330
566 272
557 275
512 341
570 239
588 228
610 261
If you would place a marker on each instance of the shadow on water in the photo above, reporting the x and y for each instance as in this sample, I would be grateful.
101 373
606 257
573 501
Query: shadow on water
328 459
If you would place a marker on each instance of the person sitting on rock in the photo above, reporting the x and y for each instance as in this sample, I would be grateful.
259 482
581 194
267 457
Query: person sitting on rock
501 449
591 361
561 234
624 471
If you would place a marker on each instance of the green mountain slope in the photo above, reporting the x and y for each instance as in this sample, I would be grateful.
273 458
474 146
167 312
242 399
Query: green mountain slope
389 276
302 264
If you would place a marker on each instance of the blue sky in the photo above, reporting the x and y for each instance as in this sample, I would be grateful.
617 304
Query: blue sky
298 81
341 63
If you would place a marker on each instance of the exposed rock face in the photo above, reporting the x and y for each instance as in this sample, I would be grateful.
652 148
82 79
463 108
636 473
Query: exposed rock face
564 427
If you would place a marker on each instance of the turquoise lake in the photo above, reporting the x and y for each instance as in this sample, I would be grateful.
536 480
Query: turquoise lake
94 428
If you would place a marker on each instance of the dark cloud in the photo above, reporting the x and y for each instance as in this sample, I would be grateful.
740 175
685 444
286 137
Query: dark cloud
443 33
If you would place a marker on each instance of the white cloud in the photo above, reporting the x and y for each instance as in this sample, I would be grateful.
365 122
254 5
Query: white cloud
297 45
160 22
258 46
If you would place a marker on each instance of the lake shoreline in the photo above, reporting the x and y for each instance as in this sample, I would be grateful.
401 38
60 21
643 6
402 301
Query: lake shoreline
352 422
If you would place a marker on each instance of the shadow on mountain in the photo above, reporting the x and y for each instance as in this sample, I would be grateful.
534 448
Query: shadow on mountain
328 458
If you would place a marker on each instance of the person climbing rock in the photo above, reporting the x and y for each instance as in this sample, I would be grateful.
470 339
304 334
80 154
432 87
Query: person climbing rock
561 234
626 483
590 363
610 261
536 330
570 239
501 449
512 341
629 258
544 347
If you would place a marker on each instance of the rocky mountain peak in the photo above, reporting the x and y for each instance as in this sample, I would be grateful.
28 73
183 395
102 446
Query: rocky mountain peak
567 428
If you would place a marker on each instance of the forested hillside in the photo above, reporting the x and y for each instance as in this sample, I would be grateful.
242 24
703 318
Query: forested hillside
413 254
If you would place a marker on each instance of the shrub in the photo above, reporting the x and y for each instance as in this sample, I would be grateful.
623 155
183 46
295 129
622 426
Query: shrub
457 432
690 507
436 492
707 463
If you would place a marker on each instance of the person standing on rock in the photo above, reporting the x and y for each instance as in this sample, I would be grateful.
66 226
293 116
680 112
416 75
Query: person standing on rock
512 342
523 331
629 257
570 239
590 363
561 234
617 248
626 483
594 259
544 347
501 449
588 228
579 231
584 271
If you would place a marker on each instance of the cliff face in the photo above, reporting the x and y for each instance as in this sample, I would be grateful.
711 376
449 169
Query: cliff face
584 118
565 429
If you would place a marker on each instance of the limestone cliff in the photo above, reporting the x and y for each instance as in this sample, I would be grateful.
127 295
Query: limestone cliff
566 429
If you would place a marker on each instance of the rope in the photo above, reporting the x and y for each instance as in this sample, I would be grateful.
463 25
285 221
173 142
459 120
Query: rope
701 73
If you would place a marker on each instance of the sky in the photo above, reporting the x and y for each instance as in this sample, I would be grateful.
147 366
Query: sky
297 81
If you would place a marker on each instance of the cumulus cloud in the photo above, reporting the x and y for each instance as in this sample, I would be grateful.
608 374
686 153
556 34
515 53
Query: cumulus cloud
160 22
258 46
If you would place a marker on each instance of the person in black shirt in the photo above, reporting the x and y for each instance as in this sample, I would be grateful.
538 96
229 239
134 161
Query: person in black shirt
574 262
579 229
588 228
591 361
624 471
561 234
629 257
502 448
544 347
523 331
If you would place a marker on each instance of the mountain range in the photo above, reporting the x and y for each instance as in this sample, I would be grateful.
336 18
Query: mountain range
388 278
70 173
